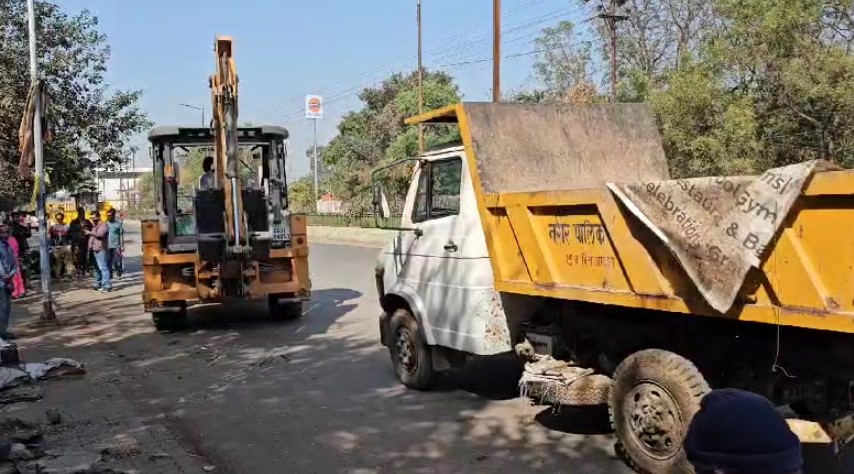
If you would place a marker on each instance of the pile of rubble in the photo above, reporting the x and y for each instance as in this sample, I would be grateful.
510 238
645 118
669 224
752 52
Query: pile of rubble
22 451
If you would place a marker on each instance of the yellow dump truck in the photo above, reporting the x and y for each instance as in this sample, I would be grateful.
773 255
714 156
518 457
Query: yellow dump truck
558 232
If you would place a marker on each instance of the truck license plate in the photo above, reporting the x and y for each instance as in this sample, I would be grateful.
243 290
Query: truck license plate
280 234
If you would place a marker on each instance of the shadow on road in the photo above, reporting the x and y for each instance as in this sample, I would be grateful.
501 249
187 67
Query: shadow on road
318 394
323 310
492 377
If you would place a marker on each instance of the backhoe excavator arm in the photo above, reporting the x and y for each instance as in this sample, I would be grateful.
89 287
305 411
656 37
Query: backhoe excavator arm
224 92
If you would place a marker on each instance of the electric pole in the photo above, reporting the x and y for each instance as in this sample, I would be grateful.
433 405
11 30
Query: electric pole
44 256
420 81
612 15
496 51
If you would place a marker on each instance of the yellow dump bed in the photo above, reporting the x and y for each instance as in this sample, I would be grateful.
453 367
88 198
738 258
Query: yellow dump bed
554 228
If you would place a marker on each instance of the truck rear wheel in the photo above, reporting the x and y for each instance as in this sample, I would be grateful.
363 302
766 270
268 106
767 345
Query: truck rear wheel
410 355
654 396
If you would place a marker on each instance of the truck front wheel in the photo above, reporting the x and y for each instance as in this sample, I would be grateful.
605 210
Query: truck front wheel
654 397
410 355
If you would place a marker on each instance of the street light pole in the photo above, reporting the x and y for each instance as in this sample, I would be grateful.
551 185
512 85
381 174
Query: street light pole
201 109
44 256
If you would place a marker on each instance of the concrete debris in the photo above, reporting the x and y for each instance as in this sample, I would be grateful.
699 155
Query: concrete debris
53 417
22 393
17 430
20 452
8 468
74 462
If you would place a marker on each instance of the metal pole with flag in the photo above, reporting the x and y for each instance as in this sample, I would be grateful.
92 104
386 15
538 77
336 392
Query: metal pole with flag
38 152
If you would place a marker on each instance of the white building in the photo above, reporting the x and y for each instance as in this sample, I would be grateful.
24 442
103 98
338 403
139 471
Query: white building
120 187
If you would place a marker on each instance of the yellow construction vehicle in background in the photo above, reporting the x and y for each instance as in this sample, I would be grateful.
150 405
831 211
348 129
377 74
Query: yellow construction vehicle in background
235 239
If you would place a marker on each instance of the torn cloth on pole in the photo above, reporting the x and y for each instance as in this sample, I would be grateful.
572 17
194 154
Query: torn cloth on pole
718 227
25 132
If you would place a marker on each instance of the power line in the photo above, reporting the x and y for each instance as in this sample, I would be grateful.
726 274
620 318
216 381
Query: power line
358 86
396 64
461 49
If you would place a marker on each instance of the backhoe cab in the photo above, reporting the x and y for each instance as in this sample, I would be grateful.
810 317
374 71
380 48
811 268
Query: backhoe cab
232 240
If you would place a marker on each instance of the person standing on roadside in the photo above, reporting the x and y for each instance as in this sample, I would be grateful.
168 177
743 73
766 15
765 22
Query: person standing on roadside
115 243
8 270
22 234
61 243
80 241
98 246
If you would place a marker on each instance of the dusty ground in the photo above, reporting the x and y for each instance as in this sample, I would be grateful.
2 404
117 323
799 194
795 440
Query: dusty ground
239 393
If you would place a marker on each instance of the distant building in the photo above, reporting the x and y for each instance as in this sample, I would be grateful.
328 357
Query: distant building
121 187
328 204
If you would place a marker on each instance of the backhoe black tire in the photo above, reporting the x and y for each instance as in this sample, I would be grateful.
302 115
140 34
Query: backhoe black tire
171 320
410 354
654 397
284 311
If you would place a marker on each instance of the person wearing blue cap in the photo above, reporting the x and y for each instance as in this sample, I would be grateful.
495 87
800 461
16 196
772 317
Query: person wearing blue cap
738 432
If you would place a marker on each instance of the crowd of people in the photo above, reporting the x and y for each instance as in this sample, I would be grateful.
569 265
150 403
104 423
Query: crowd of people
85 245
75 249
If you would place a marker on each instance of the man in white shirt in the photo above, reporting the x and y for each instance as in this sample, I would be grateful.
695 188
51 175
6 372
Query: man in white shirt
206 180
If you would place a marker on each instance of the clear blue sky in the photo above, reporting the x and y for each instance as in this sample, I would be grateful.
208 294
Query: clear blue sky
287 48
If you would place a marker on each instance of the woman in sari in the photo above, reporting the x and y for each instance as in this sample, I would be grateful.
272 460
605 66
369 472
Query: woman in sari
17 281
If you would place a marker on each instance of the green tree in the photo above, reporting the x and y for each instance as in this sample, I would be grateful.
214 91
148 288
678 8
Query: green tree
736 86
563 69
301 195
376 134
87 118
771 87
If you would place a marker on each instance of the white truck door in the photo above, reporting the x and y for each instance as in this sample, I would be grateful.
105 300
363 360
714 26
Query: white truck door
431 256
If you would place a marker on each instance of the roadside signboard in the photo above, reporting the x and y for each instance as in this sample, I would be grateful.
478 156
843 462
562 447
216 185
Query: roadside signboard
313 107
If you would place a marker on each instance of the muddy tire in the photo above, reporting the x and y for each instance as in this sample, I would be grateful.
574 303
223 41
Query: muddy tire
284 311
410 355
654 396
171 320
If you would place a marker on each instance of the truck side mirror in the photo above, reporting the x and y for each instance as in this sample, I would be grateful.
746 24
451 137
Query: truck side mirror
381 207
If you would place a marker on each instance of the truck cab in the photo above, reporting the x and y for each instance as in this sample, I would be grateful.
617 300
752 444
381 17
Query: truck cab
437 269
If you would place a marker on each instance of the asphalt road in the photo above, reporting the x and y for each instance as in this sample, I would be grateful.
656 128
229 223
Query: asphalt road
254 395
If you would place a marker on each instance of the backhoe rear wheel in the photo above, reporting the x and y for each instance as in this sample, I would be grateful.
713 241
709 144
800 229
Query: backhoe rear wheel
285 311
173 320
410 354
654 396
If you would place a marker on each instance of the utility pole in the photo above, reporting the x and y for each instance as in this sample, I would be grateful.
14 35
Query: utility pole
420 81
611 16
47 296
496 51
